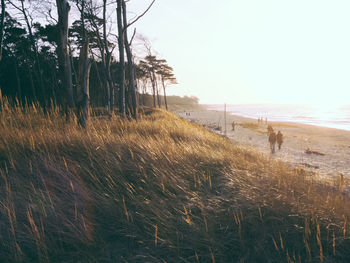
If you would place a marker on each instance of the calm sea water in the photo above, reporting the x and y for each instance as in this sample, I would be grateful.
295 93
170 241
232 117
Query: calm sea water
327 116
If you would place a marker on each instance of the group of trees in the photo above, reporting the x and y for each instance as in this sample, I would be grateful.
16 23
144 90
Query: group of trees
44 58
157 72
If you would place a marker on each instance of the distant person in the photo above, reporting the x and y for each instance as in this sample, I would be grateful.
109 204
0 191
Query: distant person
265 120
279 138
269 129
272 141
233 125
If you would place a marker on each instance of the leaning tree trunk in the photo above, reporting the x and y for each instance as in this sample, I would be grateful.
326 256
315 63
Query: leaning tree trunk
83 99
165 100
157 89
2 26
132 83
63 9
121 59
153 89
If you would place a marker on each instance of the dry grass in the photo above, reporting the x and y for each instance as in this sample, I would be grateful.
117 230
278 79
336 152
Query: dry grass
157 190
254 127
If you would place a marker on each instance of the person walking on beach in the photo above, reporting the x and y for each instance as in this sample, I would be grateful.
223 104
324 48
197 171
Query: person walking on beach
269 129
233 125
279 138
272 141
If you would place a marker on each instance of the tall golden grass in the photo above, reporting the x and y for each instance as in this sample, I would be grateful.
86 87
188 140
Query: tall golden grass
157 190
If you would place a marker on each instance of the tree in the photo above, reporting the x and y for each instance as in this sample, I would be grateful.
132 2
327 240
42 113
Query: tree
167 77
63 9
83 100
122 107
150 66
132 83
83 72
156 70
123 42
105 48
2 20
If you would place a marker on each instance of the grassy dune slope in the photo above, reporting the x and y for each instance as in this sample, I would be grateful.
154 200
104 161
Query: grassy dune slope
157 190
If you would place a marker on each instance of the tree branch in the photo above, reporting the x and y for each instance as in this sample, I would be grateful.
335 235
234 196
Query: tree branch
132 38
137 18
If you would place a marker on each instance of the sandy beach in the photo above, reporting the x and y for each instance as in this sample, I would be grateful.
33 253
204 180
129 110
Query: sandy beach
331 147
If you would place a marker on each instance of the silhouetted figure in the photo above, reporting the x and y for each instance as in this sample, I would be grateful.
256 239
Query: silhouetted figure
233 125
269 129
279 138
272 141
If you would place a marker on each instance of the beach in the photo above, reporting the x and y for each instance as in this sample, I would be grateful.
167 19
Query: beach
324 151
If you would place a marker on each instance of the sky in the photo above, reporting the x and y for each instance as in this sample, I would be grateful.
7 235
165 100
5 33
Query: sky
253 51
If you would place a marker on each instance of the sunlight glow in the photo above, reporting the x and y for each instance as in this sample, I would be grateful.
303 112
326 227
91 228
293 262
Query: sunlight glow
256 51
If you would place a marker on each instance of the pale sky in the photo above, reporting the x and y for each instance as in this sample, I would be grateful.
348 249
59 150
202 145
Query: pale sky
253 51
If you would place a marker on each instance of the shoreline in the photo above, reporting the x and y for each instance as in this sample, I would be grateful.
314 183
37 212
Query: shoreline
311 120
329 148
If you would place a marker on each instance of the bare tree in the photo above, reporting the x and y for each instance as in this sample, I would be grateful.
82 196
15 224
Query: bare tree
3 7
123 42
83 99
132 83
100 40
121 96
107 62
63 9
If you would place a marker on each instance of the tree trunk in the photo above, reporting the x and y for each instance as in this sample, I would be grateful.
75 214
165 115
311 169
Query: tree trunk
109 81
32 86
39 74
153 90
158 97
121 58
165 101
63 9
74 71
103 48
19 88
83 99
107 61
2 26
132 83
156 88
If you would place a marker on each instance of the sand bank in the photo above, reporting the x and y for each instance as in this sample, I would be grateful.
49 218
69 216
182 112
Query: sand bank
332 144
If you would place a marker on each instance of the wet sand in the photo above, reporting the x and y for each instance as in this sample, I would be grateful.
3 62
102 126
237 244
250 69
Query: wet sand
333 145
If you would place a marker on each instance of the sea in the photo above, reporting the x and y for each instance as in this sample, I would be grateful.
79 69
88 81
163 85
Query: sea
327 115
